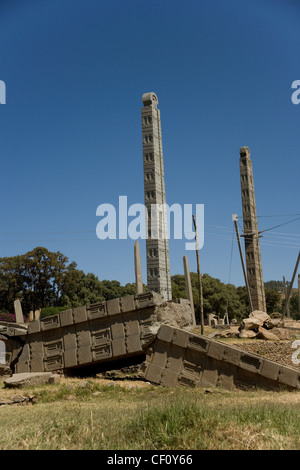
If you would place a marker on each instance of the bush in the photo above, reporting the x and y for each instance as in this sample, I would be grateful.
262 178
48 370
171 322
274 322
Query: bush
10 317
49 311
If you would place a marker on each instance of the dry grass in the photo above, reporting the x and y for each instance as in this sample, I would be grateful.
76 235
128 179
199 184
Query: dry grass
100 415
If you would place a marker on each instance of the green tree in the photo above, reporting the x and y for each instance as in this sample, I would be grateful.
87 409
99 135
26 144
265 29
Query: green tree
35 278
79 289
11 281
294 306
274 285
217 297
273 300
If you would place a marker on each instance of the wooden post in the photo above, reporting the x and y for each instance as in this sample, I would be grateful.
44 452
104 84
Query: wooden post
199 278
188 286
234 218
290 288
285 295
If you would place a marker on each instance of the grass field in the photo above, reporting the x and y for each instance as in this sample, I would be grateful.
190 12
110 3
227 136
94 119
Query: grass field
96 414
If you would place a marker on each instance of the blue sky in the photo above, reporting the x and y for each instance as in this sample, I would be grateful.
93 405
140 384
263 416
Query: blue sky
75 72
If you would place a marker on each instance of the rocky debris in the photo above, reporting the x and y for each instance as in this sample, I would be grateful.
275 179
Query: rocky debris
263 327
282 333
255 320
5 370
18 400
246 334
133 372
277 351
273 323
27 379
176 313
263 333
258 325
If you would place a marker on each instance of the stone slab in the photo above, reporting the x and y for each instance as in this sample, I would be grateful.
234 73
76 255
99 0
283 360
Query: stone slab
102 332
207 362
27 379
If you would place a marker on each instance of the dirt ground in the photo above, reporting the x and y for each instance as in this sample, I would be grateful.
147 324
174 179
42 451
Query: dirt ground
277 351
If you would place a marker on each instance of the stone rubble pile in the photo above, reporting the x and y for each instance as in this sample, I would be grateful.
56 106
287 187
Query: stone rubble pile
258 325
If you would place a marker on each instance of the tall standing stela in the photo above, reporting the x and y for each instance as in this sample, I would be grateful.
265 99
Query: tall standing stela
252 246
157 245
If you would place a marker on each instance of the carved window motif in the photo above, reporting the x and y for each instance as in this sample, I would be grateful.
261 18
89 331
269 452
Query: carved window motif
148 138
147 120
251 361
154 272
149 176
153 253
149 157
251 271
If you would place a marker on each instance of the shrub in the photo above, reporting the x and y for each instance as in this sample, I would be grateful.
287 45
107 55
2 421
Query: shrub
10 317
48 311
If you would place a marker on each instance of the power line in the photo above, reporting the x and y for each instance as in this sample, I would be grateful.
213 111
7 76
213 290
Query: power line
278 215
226 229
48 232
280 225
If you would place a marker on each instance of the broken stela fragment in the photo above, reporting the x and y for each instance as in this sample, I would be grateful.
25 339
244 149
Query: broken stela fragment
96 334
155 332
178 357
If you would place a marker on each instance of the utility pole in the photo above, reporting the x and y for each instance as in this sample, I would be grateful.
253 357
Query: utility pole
235 218
285 295
199 278
290 288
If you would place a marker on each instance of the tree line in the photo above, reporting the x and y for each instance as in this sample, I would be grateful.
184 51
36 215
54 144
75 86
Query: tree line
47 281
